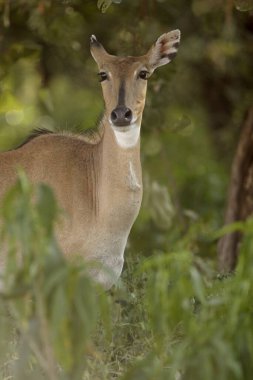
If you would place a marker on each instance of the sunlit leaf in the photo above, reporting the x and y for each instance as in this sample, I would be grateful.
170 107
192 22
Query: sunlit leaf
244 5
103 5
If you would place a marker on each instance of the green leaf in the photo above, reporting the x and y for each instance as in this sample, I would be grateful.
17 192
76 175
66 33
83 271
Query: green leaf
47 207
103 5
244 5
229 228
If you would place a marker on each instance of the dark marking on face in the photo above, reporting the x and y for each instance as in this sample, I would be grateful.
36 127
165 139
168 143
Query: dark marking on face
122 93
172 56
176 44
94 41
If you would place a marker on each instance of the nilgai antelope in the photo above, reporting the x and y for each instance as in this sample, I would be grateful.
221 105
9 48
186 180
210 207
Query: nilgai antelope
97 178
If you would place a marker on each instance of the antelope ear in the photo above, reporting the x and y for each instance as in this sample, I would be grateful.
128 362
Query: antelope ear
164 50
97 50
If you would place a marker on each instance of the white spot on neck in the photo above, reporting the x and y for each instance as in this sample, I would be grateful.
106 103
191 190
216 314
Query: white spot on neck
129 137
133 180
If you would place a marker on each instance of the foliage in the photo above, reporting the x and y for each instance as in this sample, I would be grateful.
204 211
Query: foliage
244 5
173 316
103 5
53 303
204 325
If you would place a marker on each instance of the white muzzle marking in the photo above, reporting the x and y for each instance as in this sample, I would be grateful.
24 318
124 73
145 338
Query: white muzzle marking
127 137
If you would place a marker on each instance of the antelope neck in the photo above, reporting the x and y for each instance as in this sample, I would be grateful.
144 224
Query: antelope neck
121 148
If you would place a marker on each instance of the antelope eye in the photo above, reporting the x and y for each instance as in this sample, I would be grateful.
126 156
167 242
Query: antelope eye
143 74
102 76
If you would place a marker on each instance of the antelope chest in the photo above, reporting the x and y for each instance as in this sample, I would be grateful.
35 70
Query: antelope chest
124 199
121 209
102 237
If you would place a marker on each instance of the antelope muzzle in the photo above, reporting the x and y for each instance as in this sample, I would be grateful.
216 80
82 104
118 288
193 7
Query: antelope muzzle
121 116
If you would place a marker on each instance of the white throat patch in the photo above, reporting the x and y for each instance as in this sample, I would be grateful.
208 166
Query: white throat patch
129 137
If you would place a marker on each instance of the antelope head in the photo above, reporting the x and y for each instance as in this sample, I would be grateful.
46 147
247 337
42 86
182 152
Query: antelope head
124 83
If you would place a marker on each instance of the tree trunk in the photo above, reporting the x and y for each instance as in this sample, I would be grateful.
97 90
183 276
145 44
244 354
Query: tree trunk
240 197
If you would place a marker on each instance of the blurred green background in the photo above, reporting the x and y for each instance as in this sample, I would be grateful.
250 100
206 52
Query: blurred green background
194 109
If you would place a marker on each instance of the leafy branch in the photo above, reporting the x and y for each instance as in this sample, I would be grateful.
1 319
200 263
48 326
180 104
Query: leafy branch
103 5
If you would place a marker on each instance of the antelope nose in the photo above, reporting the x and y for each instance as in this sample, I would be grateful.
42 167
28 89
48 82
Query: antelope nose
121 116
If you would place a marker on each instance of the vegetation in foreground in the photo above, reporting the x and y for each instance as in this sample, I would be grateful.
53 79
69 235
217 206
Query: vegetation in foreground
172 316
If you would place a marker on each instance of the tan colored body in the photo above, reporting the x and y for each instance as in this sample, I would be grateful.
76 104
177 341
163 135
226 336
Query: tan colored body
97 181
97 222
